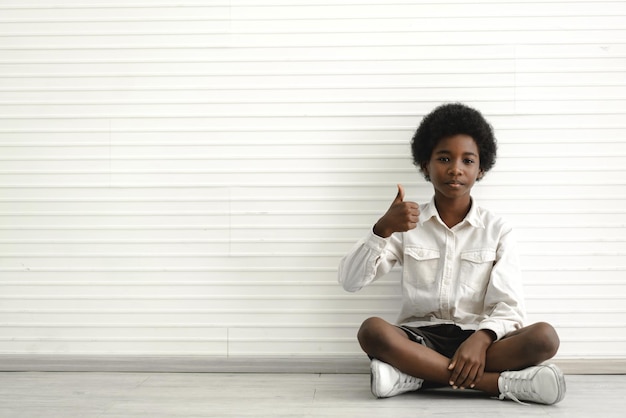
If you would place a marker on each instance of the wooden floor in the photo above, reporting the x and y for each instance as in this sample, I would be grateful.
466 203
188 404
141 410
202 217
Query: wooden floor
104 394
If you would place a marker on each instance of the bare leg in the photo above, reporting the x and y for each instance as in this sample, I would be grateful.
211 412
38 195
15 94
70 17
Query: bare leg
525 347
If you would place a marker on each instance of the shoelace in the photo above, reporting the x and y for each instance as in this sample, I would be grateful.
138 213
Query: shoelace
516 385
407 380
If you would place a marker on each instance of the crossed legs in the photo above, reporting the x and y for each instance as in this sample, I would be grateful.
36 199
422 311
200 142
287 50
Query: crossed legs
523 348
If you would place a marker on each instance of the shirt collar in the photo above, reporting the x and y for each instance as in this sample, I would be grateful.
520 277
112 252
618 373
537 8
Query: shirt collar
430 210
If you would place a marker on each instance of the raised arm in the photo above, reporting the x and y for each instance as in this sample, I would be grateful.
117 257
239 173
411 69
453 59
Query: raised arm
373 256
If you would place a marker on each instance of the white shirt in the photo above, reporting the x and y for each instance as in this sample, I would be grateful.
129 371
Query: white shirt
468 275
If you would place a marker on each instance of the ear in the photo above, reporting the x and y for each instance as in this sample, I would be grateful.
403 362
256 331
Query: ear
481 173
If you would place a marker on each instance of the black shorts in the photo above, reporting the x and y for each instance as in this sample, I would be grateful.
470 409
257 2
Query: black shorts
443 338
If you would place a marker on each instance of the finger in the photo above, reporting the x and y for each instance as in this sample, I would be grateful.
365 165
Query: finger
400 196
455 378
477 379
466 376
474 377
455 373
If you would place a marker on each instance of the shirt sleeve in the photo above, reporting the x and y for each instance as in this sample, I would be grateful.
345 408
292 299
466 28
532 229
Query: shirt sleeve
371 258
504 298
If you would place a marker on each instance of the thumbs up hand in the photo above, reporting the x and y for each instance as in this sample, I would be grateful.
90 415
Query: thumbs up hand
400 217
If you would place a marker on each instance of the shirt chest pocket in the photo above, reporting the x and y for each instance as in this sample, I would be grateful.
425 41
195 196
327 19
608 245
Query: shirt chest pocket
476 268
421 265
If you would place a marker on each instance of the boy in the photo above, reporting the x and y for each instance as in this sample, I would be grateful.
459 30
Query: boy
460 322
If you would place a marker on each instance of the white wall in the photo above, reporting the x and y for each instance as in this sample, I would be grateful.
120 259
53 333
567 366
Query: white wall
182 177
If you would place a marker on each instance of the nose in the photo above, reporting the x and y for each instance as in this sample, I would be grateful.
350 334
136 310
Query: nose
455 168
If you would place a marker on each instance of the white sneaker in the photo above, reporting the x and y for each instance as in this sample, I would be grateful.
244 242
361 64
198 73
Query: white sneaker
388 381
540 384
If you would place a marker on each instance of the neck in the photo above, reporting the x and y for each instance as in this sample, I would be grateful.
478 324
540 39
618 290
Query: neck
452 211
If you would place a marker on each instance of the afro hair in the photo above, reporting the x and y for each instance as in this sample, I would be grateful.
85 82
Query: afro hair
453 119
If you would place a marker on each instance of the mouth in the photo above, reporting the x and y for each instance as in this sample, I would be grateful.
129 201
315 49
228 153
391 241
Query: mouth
454 183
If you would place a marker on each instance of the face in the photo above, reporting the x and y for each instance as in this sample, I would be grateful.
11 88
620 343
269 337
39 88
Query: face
454 167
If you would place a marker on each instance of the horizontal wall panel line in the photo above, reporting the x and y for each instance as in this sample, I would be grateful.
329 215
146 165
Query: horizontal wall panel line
371 200
212 213
256 60
222 297
201 241
243 325
409 170
274 254
207 255
613 40
245 4
351 297
251 312
355 297
360 227
483 30
181 227
582 98
281 129
277 269
195 325
222 171
166 116
104 48
387 282
366 20
284 73
499 65
334 185
309 157
177 269
238 213
434 62
120 339
208 283
213 142
273 102
235 143
254 312
260 241
282 87
230 129
356 60
112 5
348 35
272 185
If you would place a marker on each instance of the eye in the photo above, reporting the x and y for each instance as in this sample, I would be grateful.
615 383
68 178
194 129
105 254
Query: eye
468 161
443 159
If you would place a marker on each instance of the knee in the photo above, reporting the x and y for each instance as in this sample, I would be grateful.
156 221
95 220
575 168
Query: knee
373 336
546 341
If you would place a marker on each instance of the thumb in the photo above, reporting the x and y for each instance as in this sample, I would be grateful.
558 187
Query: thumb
400 196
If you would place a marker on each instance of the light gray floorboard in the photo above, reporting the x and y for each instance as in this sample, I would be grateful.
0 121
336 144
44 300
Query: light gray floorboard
155 395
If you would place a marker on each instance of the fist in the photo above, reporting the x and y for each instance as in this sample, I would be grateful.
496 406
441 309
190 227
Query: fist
400 217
